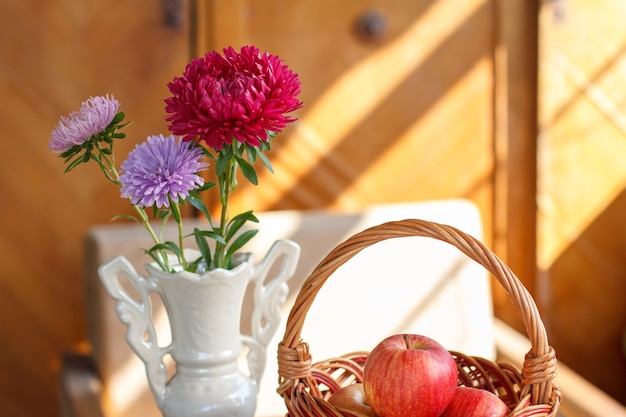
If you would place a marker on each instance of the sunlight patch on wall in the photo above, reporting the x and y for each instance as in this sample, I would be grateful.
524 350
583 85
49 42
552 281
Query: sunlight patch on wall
354 96
580 158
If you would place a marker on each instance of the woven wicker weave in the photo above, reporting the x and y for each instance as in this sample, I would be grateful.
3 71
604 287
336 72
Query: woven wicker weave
306 386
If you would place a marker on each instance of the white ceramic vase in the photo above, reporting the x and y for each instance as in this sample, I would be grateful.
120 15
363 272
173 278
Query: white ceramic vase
204 312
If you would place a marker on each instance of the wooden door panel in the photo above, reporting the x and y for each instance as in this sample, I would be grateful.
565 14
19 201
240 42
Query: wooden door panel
403 117
53 55
581 227
407 116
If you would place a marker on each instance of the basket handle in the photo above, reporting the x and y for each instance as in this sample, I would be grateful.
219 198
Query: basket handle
539 369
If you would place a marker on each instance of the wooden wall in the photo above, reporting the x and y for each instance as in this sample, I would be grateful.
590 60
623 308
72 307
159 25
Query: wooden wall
440 102
582 177
405 115
53 55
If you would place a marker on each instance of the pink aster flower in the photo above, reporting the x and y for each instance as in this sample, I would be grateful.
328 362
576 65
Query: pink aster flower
241 95
161 169
93 117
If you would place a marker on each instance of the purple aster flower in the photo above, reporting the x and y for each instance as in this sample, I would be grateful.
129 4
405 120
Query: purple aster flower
93 117
159 169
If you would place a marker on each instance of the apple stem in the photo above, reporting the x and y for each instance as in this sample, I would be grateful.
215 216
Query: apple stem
406 340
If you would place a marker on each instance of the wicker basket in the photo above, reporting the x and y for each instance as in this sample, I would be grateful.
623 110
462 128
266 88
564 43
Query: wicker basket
306 386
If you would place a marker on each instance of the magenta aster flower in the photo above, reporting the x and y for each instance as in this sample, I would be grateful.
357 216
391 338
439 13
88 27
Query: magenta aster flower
159 169
238 95
93 117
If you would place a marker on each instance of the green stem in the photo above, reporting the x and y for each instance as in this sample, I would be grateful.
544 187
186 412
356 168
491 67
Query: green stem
146 223
108 167
226 186
181 236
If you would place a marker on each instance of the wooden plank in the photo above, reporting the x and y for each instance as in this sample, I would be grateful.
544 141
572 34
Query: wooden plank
581 227
376 124
581 398
515 52
221 24
54 54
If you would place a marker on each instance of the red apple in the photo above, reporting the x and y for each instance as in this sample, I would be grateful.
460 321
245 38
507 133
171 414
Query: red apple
351 400
409 375
475 402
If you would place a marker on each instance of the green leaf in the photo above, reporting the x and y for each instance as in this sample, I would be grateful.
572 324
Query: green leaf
155 256
175 210
248 171
125 216
168 246
251 153
164 216
203 245
196 200
265 161
124 124
79 160
193 266
71 152
161 214
210 234
266 144
270 135
223 157
118 118
220 165
237 222
238 148
206 152
246 216
233 227
205 187
241 240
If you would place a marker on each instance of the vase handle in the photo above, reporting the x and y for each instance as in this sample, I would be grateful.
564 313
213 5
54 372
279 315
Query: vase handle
137 316
268 299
